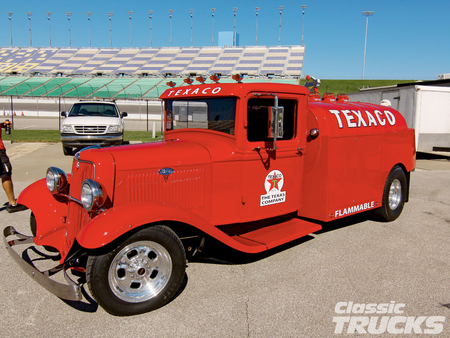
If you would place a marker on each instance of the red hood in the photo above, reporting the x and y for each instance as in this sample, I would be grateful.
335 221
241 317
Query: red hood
161 154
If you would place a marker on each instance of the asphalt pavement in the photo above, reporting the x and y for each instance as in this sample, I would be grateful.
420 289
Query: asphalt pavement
356 277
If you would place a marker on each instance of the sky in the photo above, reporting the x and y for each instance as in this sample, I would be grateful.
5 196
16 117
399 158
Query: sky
406 39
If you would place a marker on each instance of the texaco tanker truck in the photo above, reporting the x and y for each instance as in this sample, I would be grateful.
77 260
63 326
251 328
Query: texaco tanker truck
252 165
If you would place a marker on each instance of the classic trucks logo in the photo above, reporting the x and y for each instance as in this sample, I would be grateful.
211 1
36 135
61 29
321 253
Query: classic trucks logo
273 184
375 319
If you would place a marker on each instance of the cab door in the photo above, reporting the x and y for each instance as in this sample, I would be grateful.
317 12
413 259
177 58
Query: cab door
271 176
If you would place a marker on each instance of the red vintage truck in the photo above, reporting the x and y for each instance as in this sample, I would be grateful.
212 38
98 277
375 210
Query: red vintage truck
252 165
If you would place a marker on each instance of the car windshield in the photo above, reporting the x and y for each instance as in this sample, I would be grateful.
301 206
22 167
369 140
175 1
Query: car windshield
213 114
93 109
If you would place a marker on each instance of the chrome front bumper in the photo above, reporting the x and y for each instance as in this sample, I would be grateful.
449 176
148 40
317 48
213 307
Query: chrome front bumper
70 291
76 140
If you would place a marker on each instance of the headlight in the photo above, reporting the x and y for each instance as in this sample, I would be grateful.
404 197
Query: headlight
66 128
91 195
56 180
115 129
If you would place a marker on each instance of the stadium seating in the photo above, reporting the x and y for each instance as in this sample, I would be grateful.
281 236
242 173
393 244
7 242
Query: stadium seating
113 87
9 82
42 90
26 86
87 89
138 88
67 86
133 73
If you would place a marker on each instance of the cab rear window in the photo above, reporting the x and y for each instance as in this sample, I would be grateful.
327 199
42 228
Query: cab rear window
258 115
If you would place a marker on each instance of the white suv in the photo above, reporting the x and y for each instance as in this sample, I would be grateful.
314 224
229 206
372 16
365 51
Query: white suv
90 123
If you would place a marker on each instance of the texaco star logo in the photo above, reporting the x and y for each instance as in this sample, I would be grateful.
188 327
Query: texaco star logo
273 184
274 180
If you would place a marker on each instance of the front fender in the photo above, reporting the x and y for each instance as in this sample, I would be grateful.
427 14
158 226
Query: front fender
50 212
38 199
116 221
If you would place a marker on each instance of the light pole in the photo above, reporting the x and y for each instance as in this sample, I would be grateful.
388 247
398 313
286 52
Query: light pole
192 22
257 12
131 29
10 25
110 14
303 22
235 9
280 8
68 18
29 19
170 16
49 29
150 13
366 14
89 20
212 13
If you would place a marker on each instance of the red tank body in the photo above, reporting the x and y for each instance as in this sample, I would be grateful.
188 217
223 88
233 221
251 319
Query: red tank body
360 144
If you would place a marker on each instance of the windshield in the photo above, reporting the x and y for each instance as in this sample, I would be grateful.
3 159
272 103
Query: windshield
93 109
213 114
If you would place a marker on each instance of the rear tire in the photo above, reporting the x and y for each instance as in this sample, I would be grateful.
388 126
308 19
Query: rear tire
140 275
394 196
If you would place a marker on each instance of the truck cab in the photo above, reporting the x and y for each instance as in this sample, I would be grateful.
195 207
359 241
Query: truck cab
253 166
251 139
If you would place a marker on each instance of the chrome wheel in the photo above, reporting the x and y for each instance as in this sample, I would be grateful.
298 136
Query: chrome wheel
395 194
140 271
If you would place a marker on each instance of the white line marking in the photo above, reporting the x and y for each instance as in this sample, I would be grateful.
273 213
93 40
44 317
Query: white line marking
28 127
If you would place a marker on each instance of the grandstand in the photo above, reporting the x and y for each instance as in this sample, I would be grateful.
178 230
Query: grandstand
133 73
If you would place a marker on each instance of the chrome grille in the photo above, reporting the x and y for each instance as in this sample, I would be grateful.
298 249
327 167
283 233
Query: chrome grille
77 215
90 129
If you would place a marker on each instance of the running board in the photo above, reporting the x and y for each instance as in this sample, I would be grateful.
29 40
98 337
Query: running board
275 235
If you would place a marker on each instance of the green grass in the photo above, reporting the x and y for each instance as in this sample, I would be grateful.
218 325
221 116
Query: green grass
352 86
53 136
144 136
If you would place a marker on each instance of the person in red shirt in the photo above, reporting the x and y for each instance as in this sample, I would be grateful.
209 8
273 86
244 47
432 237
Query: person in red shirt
5 175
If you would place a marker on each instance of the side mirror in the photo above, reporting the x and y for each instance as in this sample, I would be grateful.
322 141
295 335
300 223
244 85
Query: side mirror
124 114
276 118
63 114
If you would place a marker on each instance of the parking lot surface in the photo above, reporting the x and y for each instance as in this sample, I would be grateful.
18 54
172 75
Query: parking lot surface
323 285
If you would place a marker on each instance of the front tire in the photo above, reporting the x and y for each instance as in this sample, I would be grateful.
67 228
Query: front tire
67 151
33 228
394 195
142 274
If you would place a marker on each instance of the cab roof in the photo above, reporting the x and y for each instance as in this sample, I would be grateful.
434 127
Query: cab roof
231 89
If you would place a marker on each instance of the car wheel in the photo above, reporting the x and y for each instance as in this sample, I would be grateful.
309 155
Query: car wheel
141 274
33 224
394 196
33 227
67 151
